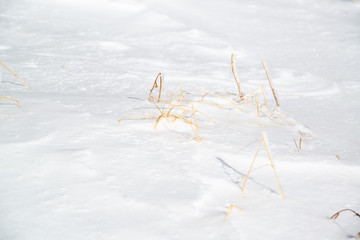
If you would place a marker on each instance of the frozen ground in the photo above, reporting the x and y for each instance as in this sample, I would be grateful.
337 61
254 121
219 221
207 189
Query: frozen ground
69 170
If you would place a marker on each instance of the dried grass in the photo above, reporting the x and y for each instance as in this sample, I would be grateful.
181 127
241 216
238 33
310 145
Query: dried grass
236 77
252 165
173 107
247 145
18 103
296 145
156 85
336 215
14 74
8 98
272 164
270 83
264 95
229 210
263 143
302 138
257 106
182 105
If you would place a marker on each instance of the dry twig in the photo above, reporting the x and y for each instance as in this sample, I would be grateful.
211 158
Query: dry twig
335 216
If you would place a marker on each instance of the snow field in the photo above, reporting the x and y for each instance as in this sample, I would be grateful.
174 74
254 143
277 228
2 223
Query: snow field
71 171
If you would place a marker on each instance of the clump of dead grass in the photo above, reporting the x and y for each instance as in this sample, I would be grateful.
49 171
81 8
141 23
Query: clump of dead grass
183 106
176 106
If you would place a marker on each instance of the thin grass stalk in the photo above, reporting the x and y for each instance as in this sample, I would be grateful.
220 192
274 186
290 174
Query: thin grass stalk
338 213
236 77
161 82
12 100
205 94
208 118
211 104
214 94
300 133
158 120
253 93
265 102
196 125
296 145
247 145
230 210
155 85
14 75
255 169
271 86
272 164
252 164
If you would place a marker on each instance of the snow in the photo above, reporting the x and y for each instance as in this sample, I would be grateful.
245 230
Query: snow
70 170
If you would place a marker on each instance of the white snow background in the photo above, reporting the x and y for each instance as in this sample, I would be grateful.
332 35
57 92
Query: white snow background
70 170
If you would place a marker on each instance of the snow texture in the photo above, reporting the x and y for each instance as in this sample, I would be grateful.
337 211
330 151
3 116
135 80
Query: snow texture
70 170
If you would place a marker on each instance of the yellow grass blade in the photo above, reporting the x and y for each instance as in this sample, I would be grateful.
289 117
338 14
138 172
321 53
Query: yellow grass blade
271 86
265 102
236 77
14 75
229 210
158 120
272 164
156 85
252 165
296 145
12 100
248 145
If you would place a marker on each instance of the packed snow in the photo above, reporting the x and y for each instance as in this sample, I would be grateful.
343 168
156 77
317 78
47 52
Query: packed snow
71 170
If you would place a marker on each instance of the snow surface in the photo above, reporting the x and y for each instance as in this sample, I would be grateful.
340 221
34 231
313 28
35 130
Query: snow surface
70 170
